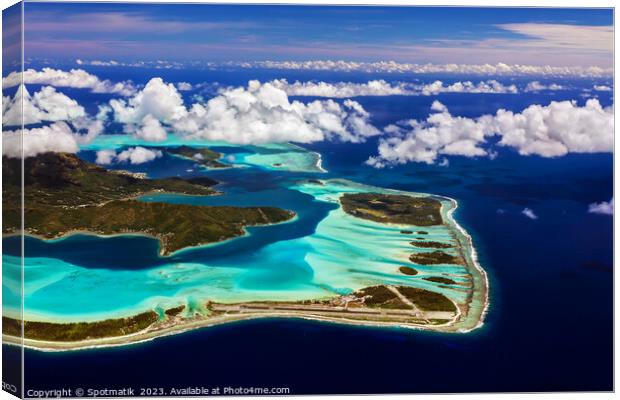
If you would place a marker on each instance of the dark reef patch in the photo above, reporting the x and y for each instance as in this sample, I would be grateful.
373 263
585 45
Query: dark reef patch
408 270
431 244
440 279
434 257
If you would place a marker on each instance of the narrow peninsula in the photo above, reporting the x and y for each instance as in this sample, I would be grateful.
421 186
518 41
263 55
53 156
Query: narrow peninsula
64 194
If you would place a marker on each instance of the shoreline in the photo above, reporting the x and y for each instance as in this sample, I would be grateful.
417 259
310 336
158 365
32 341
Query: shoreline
206 167
319 158
476 263
73 232
469 315
319 163
194 325
482 288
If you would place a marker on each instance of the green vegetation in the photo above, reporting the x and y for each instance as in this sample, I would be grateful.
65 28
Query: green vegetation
201 155
426 300
68 332
408 270
173 312
433 245
434 257
64 193
377 297
393 208
64 180
175 225
440 279
381 297
12 327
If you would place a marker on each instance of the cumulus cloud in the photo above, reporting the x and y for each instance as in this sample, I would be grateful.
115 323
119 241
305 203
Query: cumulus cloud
133 155
548 131
184 86
71 127
99 63
440 134
151 130
342 89
528 212
103 111
258 113
146 113
395 67
557 129
604 207
45 105
499 69
105 157
75 78
88 128
138 155
159 64
57 137
262 113
490 86
160 100
536 86
382 88
602 88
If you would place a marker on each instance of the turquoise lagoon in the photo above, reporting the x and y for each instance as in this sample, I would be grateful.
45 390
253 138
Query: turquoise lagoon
322 253
285 156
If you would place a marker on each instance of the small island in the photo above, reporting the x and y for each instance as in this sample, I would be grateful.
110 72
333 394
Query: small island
393 208
202 155
435 257
431 244
440 279
407 270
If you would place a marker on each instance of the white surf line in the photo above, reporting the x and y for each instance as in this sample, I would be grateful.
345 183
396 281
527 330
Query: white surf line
319 162
474 258
449 213
102 343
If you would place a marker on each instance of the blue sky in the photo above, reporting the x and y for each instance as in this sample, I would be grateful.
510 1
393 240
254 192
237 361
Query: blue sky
130 32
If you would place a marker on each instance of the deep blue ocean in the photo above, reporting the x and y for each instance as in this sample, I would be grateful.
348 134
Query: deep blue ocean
549 326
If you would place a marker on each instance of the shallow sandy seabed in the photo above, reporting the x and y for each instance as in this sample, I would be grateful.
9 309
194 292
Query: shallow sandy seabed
337 259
